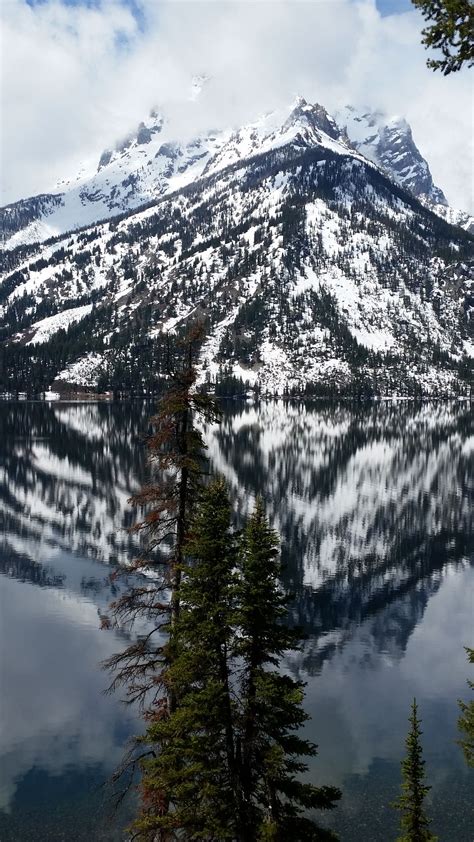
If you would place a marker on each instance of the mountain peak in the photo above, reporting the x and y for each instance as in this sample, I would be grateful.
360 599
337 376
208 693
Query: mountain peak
142 135
154 160
298 102
399 122
313 117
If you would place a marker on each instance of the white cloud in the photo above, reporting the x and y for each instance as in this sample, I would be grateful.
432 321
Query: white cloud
75 78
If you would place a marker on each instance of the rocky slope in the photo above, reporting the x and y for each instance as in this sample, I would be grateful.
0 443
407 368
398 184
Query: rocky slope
316 269
388 142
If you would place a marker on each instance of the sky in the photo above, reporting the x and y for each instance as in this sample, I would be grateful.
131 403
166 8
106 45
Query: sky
77 75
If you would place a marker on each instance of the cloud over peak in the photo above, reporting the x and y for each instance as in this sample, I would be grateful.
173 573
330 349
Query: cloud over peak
75 78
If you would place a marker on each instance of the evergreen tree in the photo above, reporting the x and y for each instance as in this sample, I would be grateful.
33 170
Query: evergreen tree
223 763
272 798
193 767
414 822
466 720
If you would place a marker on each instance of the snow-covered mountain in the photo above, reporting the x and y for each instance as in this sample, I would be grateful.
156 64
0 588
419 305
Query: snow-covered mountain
143 167
389 143
149 164
304 248
153 161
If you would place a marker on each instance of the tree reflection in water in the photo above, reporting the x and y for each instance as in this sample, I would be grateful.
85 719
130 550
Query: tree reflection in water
373 506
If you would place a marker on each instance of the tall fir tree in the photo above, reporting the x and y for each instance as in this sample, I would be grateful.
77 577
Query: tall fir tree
176 458
413 822
193 767
466 720
273 798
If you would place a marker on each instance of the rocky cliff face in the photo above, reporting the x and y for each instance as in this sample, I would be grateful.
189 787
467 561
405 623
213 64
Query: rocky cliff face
388 142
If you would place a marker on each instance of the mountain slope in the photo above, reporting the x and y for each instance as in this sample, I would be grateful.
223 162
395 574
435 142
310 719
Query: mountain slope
313 270
141 168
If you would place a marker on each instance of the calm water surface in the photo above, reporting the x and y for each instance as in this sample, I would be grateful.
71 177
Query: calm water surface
373 506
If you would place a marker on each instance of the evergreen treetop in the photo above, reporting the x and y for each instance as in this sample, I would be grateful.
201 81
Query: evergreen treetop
274 800
414 822
192 770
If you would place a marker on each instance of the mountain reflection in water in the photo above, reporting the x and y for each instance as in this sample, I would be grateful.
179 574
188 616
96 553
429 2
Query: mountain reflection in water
373 506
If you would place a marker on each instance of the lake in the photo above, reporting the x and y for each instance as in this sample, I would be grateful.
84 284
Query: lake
373 505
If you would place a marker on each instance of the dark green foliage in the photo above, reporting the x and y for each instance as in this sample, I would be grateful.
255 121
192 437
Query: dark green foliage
414 822
227 385
134 365
224 761
466 369
466 720
273 799
451 30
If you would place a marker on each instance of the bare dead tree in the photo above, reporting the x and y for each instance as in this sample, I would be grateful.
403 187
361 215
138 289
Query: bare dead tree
165 504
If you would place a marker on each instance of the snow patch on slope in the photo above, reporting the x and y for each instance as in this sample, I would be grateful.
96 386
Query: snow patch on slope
46 328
